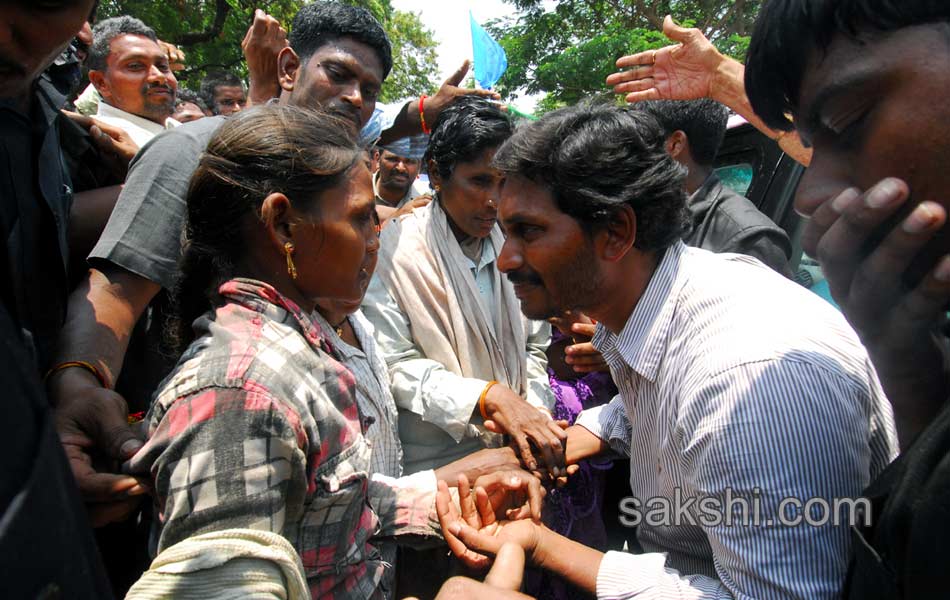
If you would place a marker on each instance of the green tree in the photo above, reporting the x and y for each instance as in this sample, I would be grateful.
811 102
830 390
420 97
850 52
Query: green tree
569 51
210 34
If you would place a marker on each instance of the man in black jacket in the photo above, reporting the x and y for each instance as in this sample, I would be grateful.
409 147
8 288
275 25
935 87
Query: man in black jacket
46 545
722 220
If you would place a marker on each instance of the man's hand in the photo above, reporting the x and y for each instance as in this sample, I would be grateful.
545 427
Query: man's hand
408 207
509 413
482 462
264 40
93 421
176 58
897 325
449 92
115 144
580 357
684 71
483 527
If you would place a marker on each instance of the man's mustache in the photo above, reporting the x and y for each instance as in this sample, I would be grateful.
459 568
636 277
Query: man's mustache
528 277
158 86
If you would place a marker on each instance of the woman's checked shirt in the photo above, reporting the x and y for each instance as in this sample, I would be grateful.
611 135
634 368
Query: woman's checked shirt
258 428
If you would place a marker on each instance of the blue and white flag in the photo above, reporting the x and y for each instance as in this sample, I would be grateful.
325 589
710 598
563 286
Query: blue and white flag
490 58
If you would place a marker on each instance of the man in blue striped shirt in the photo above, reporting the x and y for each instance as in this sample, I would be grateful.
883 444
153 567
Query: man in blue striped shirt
750 411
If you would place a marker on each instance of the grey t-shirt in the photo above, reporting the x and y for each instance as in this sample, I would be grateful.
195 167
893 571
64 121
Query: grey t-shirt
143 234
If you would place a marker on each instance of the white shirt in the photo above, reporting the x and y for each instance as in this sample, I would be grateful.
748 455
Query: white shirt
435 404
140 129
733 379
415 190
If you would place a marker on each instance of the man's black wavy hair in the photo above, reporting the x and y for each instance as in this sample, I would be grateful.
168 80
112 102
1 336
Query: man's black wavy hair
596 158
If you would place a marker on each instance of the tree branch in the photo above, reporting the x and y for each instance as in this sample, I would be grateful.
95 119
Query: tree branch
221 11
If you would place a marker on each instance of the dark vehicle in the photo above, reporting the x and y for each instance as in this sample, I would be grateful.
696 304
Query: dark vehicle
753 165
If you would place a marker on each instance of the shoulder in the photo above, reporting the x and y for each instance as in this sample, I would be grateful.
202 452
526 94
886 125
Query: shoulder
245 350
179 143
738 215
731 309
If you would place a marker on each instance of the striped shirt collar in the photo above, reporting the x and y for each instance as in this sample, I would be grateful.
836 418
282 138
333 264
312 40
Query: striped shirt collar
642 342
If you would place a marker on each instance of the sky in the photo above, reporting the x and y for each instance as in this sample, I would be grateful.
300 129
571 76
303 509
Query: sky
448 20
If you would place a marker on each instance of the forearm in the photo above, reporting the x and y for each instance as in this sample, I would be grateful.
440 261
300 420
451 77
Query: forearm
582 444
407 123
566 558
728 87
100 319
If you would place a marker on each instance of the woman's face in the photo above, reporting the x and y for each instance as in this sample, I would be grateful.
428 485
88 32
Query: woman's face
336 256
470 195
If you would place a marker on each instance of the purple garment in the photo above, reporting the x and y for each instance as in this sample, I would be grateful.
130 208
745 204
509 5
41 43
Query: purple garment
574 511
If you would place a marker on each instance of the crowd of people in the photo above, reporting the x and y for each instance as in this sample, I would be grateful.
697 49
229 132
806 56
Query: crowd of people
250 353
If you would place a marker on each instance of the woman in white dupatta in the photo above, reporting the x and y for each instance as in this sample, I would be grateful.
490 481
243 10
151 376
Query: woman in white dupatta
465 364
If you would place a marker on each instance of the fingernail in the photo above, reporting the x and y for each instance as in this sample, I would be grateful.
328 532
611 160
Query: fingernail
455 528
844 200
942 273
130 447
883 194
515 481
920 219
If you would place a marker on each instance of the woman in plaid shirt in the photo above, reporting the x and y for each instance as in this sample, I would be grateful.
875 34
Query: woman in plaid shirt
257 428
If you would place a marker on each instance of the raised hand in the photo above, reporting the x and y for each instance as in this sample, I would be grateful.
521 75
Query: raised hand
449 91
264 40
683 71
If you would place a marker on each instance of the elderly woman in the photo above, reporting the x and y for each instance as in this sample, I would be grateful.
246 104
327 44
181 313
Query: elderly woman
256 450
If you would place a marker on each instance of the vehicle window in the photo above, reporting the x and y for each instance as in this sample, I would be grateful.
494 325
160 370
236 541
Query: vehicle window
738 177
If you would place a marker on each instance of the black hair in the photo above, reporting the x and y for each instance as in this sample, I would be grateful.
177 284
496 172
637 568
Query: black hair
464 130
187 96
787 31
319 23
107 30
292 150
596 158
212 81
703 121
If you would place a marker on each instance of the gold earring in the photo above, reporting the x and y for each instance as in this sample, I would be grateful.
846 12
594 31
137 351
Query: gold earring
289 250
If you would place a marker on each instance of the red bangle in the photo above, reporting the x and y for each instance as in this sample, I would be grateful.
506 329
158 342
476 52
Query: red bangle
422 114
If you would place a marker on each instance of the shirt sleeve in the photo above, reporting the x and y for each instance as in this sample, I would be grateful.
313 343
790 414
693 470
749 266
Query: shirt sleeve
143 234
539 393
766 482
225 458
405 505
420 385
609 422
